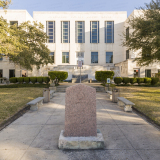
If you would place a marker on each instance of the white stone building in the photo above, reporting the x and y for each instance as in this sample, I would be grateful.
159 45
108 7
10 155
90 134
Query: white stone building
95 38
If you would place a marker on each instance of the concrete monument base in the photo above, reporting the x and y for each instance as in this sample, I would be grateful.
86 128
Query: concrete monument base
81 142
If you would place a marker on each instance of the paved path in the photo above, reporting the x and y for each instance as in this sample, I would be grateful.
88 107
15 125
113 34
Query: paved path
34 136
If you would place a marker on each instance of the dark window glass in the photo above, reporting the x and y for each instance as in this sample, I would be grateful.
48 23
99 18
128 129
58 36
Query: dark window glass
147 73
109 57
127 54
50 27
94 32
11 73
65 32
109 32
52 56
14 22
127 33
94 57
1 73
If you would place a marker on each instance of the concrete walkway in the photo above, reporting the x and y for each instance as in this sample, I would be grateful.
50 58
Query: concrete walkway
34 136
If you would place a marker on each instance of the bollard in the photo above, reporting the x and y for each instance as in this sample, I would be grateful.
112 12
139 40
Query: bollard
115 95
46 95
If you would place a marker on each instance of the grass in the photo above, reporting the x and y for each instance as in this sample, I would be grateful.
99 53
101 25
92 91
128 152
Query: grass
13 99
146 99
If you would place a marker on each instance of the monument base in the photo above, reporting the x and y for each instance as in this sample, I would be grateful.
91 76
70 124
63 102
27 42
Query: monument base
81 142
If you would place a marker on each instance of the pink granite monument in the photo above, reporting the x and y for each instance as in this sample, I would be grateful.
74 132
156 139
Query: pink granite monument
80 111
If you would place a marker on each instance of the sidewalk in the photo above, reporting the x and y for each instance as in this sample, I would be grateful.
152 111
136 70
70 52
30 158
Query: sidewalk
34 136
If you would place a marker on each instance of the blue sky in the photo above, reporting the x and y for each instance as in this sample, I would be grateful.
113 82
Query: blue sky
74 5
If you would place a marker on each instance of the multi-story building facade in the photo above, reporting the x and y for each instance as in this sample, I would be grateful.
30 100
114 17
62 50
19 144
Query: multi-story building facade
95 38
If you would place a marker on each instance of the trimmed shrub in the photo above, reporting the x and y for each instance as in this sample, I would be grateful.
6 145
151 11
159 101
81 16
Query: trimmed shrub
154 80
126 80
13 80
33 79
140 80
20 79
59 75
133 80
46 80
26 79
40 80
118 80
102 76
147 80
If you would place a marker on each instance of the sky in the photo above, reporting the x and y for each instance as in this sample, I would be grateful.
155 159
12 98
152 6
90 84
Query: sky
77 5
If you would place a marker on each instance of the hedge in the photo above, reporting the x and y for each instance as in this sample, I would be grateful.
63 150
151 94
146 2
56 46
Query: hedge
26 79
118 80
147 80
40 79
20 79
60 75
102 76
126 80
154 81
13 80
46 80
140 80
133 80
33 79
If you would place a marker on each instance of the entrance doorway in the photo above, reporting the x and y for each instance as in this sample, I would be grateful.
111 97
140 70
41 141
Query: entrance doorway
24 73
80 57
136 73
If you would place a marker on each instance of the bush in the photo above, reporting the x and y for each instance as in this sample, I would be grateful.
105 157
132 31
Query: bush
118 80
140 80
40 80
133 80
154 80
126 80
102 76
60 75
13 80
147 80
33 79
26 79
20 79
46 80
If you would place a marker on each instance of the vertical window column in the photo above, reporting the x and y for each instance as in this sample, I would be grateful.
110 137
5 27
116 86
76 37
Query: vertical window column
65 57
109 57
127 54
79 32
94 32
65 32
52 56
50 27
94 57
109 32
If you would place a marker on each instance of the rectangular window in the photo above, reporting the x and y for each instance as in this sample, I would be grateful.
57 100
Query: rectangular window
94 32
94 57
127 54
52 56
79 32
65 57
50 29
109 32
158 70
109 57
65 32
127 33
14 22
1 73
148 73
80 57
11 73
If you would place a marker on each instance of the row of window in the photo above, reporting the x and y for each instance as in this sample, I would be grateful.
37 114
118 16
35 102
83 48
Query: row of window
80 31
11 73
94 57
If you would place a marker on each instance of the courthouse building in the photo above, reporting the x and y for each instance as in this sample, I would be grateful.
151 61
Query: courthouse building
95 38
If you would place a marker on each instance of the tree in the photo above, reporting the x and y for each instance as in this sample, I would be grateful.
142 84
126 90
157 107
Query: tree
145 37
5 4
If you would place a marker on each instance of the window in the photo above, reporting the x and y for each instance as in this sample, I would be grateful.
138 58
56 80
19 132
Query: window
109 57
65 32
127 54
94 32
80 32
80 57
1 57
158 70
65 57
52 56
11 73
14 22
147 73
109 32
127 33
94 57
1 73
50 29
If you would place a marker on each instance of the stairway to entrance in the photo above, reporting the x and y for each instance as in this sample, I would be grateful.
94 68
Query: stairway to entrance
62 87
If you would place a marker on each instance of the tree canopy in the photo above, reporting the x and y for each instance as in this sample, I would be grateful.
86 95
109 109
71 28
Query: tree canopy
5 3
24 44
145 37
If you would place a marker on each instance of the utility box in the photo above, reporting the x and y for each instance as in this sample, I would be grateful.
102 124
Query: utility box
46 95
115 95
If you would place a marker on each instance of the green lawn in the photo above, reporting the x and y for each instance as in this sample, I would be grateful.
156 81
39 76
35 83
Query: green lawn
146 99
14 99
